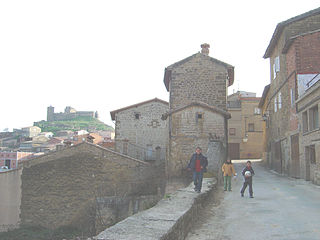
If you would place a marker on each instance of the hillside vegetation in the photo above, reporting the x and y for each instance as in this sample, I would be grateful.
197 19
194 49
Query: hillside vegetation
80 123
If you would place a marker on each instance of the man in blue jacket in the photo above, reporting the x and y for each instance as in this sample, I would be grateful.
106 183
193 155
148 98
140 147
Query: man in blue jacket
198 164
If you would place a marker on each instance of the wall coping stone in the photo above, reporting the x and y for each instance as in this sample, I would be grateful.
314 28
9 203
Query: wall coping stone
170 219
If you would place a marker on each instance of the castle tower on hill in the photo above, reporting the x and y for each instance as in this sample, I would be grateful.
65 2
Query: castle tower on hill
68 114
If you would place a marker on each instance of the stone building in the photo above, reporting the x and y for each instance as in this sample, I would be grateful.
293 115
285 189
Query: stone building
139 130
197 87
294 57
308 105
30 132
245 126
265 124
196 124
13 159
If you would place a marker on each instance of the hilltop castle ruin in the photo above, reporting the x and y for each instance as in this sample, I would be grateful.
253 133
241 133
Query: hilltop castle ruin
69 113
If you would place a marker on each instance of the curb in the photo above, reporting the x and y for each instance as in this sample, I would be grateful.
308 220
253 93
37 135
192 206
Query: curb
170 219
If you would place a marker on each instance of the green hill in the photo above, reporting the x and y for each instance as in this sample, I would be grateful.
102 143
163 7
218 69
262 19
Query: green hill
80 123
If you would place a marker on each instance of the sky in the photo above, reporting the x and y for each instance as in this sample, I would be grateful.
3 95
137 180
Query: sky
104 55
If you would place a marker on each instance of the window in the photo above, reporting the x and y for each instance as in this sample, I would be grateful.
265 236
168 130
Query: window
292 97
232 131
8 163
313 118
276 67
251 127
257 111
305 121
275 104
199 116
137 116
149 152
279 101
310 153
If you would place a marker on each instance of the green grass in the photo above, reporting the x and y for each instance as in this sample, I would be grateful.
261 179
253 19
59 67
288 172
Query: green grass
79 123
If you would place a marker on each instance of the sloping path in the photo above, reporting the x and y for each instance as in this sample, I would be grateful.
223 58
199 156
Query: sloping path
283 208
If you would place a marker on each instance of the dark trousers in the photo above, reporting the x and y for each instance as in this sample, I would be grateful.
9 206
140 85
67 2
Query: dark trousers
247 182
197 180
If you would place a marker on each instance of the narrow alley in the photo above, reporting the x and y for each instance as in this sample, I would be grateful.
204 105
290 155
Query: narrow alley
282 208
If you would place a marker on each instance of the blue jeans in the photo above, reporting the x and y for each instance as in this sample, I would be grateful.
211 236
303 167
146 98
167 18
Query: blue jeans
197 180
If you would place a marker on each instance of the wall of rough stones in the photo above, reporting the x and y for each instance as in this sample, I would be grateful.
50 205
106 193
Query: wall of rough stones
148 131
187 132
199 79
61 188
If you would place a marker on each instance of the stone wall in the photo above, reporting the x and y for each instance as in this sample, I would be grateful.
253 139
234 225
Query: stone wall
216 155
309 170
187 132
199 78
61 188
10 197
111 210
140 129
68 114
170 219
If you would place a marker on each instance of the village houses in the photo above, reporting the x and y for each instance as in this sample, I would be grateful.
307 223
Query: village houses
290 102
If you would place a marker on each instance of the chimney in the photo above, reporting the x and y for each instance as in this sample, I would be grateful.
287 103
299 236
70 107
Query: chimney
205 48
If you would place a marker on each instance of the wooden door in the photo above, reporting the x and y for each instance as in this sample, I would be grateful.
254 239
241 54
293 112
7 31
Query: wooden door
234 150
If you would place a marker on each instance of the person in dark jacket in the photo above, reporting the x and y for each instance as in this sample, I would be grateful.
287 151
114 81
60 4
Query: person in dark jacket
198 164
247 173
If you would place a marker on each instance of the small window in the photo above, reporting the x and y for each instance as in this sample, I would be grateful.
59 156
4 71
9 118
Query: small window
277 64
292 97
232 131
257 111
313 118
305 122
279 101
137 116
310 153
199 117
251 127
275 104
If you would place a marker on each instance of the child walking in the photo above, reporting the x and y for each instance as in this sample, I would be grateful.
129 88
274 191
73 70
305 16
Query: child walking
247 173
228 172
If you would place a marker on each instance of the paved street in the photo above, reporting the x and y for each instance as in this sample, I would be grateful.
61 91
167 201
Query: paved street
283 208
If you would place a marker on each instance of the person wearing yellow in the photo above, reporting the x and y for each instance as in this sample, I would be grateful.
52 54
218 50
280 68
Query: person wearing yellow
228 172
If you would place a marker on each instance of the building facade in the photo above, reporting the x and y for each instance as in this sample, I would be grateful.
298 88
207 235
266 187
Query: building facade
193 125
294 57
31 132
12 159
139 130
308 106
197 87
265 124
245 126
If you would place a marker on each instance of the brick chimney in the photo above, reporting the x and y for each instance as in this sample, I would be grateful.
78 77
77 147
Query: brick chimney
205 48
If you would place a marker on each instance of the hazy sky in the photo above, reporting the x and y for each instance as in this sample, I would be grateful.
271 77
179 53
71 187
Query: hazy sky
105 55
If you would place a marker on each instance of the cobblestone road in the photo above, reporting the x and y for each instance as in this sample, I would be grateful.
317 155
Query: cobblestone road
283 209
